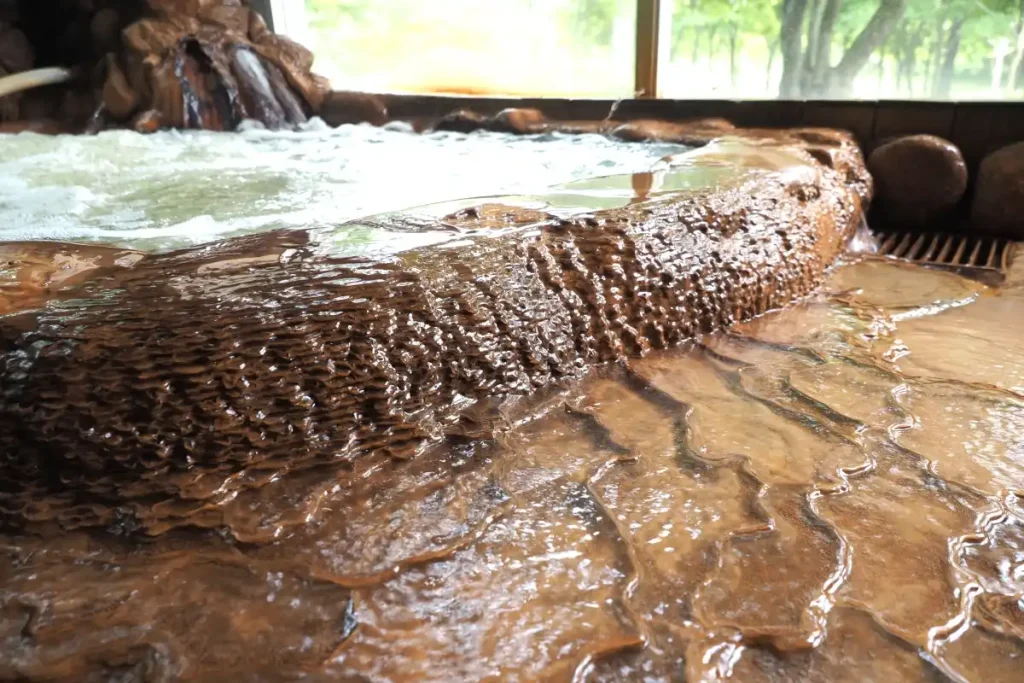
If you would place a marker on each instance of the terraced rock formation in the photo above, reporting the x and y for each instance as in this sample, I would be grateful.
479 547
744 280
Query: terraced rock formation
179 379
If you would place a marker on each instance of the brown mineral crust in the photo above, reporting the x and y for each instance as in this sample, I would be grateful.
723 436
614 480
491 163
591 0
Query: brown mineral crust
185 375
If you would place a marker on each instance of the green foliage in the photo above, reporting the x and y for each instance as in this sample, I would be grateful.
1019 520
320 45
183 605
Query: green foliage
733 29
592 20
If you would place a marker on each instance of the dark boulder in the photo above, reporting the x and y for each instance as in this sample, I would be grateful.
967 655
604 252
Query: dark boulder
998 207
919 180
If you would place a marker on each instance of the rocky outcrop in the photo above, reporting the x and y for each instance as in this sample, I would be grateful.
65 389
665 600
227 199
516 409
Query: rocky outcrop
184 376
164 63
919 179
210 64
998 207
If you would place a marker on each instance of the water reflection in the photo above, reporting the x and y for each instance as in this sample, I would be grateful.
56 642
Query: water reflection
791 500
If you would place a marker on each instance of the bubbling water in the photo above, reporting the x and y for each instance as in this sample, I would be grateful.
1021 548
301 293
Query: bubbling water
177 189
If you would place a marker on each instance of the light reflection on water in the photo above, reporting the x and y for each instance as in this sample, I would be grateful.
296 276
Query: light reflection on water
785 501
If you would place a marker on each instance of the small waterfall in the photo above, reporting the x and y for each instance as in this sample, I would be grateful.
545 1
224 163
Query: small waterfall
258 94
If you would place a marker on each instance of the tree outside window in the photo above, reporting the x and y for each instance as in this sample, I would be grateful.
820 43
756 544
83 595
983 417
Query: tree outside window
751 49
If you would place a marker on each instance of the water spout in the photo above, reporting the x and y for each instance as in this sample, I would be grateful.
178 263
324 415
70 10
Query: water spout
26 80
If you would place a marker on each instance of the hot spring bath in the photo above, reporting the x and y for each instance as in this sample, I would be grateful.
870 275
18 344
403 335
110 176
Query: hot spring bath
831 491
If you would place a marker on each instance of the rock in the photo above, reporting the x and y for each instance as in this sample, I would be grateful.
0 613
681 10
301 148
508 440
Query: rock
461 121
296 63
514 120
16 53
353 107
234 19
258 29
119 98
825 137
77 105
165 88
696 132
191 8
105 29
998 207
10 106
494 216
287 53
919 180
155 36
147 122
189 48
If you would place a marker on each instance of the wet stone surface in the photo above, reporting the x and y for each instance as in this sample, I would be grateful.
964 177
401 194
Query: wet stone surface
832 491
191 376
785 501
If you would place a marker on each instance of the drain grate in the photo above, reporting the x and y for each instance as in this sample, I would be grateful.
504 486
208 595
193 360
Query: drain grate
947 249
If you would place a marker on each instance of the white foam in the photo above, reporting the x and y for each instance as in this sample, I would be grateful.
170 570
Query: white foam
176 189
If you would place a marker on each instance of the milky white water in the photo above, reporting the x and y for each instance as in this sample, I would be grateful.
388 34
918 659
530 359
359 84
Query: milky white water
177 189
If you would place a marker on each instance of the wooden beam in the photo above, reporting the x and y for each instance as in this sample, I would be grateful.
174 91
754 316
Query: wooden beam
648 14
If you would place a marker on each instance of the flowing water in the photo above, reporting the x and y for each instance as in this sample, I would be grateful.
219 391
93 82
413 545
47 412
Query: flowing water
832 492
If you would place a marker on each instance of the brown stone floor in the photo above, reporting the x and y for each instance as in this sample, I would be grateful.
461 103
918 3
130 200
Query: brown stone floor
833 492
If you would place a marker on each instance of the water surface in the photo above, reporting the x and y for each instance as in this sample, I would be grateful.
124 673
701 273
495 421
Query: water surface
177 189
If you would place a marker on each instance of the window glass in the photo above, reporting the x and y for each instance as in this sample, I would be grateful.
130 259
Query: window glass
860 49
507 47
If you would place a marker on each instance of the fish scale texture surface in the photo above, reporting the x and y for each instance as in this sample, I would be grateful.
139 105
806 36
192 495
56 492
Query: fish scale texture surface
184 376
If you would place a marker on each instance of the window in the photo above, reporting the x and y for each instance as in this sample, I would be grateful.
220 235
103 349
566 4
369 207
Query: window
721 49
859 49
581 48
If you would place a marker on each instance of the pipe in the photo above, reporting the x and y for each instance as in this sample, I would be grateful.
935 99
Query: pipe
35 78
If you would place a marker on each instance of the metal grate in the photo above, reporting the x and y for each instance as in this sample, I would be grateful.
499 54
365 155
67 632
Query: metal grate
946 249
